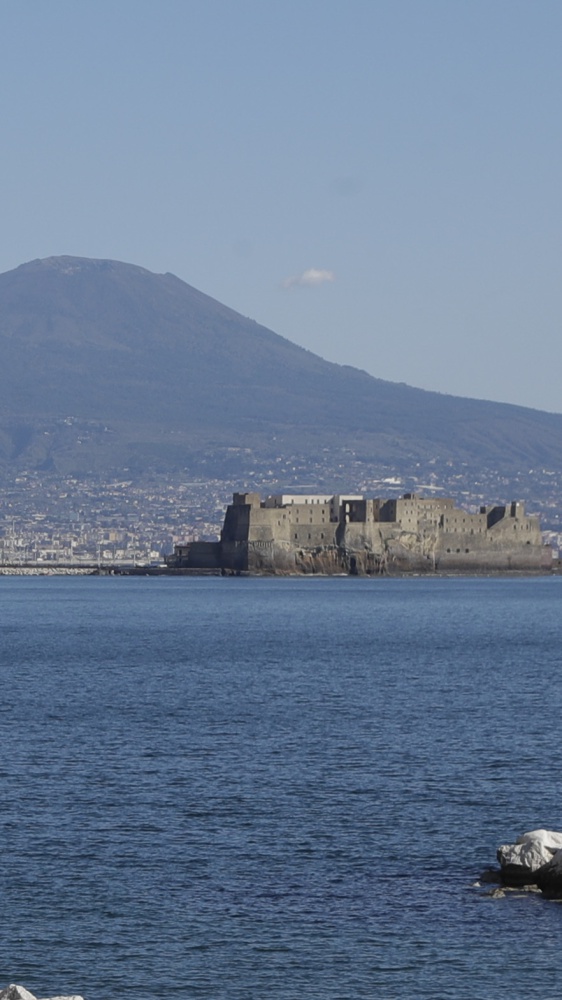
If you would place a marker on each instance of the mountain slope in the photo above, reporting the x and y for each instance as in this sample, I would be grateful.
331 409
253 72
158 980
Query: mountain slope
104 364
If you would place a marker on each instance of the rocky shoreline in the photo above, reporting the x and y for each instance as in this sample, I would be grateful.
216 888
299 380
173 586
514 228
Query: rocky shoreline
45 571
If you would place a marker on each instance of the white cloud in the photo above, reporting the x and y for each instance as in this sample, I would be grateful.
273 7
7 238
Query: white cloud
310 278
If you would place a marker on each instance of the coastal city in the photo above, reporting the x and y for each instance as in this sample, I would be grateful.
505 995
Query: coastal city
132 522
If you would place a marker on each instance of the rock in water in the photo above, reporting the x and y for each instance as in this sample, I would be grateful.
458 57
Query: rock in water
549 877
14 992
521 861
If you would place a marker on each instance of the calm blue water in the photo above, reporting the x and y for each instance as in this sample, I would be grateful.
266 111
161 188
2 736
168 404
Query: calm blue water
276 789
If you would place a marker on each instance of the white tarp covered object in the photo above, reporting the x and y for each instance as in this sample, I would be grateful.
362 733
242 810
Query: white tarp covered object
14 992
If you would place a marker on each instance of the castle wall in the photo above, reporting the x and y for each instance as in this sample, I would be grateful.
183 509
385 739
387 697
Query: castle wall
197 555
461 522
411 534
522 530
290 499
237 522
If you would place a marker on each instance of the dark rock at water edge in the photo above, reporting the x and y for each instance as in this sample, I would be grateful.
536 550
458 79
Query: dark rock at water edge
534 859
549 877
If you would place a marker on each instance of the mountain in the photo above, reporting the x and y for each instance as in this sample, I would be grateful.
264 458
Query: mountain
105 365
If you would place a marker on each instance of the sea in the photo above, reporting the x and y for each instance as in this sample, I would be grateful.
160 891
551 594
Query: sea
276 789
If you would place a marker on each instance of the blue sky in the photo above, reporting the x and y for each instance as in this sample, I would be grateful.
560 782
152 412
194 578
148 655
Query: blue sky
377 180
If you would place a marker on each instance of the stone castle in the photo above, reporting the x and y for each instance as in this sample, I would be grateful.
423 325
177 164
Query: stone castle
291 533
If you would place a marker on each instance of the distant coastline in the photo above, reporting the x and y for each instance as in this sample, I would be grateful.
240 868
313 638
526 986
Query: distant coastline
345 535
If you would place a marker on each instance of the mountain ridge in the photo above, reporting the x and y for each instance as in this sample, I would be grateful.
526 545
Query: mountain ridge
104 363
